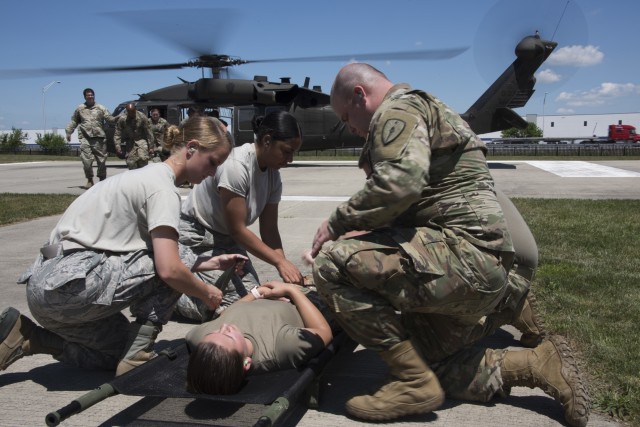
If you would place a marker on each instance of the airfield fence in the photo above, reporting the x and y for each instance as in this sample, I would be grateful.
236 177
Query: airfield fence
494 150
559 150
509 150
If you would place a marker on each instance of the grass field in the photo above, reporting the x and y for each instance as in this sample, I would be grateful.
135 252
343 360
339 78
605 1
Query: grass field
587 284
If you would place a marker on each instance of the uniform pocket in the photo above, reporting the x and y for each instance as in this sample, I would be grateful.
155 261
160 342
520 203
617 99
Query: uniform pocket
414 242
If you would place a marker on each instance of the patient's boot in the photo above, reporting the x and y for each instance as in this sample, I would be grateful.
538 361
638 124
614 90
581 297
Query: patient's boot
530 323
412 389
551 367
139 348
21 337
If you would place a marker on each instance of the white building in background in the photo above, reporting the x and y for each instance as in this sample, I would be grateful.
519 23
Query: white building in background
576 126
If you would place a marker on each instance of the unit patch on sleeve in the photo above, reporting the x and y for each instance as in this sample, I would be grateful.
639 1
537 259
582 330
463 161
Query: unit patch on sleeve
391 130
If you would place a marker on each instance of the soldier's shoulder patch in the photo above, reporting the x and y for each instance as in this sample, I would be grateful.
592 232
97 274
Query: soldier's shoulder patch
393 132
392 129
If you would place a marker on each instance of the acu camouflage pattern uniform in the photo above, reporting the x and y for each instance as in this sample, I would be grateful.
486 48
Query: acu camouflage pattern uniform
157 144
439 251
93 140
80 295
136 135
206 242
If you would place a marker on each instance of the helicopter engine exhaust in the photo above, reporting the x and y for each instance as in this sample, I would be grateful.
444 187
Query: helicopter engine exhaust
239 92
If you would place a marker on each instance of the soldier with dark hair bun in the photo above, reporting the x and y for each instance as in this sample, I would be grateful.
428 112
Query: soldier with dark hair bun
247 187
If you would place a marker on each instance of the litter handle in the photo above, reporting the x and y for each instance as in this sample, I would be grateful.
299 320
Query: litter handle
80 404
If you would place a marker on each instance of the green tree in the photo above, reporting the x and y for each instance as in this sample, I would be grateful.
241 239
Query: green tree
13 141
532 130
52 143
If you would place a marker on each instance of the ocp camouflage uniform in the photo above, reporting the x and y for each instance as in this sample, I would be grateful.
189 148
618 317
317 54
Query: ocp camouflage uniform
205 242
80 295
136 135
93 140
157 130
439 251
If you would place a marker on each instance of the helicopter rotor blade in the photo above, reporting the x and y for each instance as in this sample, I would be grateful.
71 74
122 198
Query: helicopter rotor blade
561 21
429 54
37 72
195 31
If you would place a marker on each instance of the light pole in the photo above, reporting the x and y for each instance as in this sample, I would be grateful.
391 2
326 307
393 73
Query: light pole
44 116
544 101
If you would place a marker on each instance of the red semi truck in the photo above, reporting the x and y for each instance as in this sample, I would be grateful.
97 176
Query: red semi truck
623 133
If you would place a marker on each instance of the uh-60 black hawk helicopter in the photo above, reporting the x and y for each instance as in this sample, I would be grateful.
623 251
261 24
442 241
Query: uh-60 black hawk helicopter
239 100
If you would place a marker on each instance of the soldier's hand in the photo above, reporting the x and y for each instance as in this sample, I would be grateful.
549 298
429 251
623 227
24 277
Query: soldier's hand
213 297
220 262
276 290
289 272
323 234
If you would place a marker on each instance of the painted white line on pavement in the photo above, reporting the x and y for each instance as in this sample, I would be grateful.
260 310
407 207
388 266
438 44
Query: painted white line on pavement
580 169
20 163
315 198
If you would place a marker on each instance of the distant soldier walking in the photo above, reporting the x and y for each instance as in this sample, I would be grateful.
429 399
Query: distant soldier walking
134 130
89 118
158 127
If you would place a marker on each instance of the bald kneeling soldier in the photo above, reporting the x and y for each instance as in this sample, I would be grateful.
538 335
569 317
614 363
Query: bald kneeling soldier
419 287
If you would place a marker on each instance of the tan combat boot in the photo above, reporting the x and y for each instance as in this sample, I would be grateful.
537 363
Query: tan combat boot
530 323
413 388
21 337
551 367
139 347
15 329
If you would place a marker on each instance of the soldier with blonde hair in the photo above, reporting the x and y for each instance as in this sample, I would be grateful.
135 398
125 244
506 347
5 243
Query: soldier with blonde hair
116 247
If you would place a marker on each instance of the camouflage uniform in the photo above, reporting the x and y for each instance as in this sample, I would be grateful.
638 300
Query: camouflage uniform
136 135
157 129
437 259
80 295
205 242
93 140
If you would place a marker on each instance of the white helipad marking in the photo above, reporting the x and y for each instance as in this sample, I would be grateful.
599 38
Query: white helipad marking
315 198
327 162
579 169
20 163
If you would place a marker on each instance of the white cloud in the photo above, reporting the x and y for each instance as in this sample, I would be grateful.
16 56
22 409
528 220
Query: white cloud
576 56
565 111
548 76
599 95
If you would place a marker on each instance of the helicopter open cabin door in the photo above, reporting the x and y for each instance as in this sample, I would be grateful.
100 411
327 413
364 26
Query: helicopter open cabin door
243 121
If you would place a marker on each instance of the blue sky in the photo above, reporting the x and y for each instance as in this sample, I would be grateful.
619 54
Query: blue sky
594 70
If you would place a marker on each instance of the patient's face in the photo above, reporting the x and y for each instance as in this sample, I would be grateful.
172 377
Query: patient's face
229 337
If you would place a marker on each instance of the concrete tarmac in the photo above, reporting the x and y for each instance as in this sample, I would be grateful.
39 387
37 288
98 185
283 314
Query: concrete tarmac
37 385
